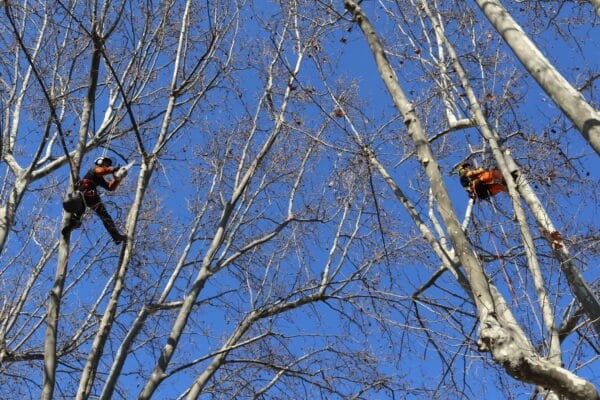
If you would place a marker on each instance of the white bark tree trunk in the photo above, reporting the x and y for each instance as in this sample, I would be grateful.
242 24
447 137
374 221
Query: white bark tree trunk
566 97
506 163
53 311
528 243
147 168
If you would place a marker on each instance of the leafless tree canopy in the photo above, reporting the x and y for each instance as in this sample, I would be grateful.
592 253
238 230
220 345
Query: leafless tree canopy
295 223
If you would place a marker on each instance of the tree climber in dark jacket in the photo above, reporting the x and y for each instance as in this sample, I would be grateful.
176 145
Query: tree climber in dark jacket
88 185
481 183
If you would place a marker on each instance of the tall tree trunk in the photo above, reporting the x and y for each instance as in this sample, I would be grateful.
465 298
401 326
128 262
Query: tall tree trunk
528 243
566 97
53 311
140 320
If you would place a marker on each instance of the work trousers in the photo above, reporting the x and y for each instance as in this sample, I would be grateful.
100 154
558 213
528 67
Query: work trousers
95 203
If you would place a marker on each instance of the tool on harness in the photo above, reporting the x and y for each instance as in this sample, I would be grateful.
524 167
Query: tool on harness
74 201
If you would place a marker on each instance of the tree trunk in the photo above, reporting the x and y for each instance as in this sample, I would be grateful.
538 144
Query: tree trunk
52 317
505 161
566 97
242 181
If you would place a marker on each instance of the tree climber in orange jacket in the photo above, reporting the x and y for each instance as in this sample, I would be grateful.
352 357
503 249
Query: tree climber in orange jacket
89 183
481 183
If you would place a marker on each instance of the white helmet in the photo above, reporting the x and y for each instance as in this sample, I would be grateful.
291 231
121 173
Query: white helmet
102 160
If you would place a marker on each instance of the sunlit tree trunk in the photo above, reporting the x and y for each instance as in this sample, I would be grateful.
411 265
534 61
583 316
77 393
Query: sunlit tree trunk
149 160
528 242
570 101
53 312
22 176
508 166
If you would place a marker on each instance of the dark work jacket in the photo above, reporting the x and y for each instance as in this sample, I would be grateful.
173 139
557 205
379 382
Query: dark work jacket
465 181
94 178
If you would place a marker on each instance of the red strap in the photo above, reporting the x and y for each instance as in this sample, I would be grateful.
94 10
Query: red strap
87 184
